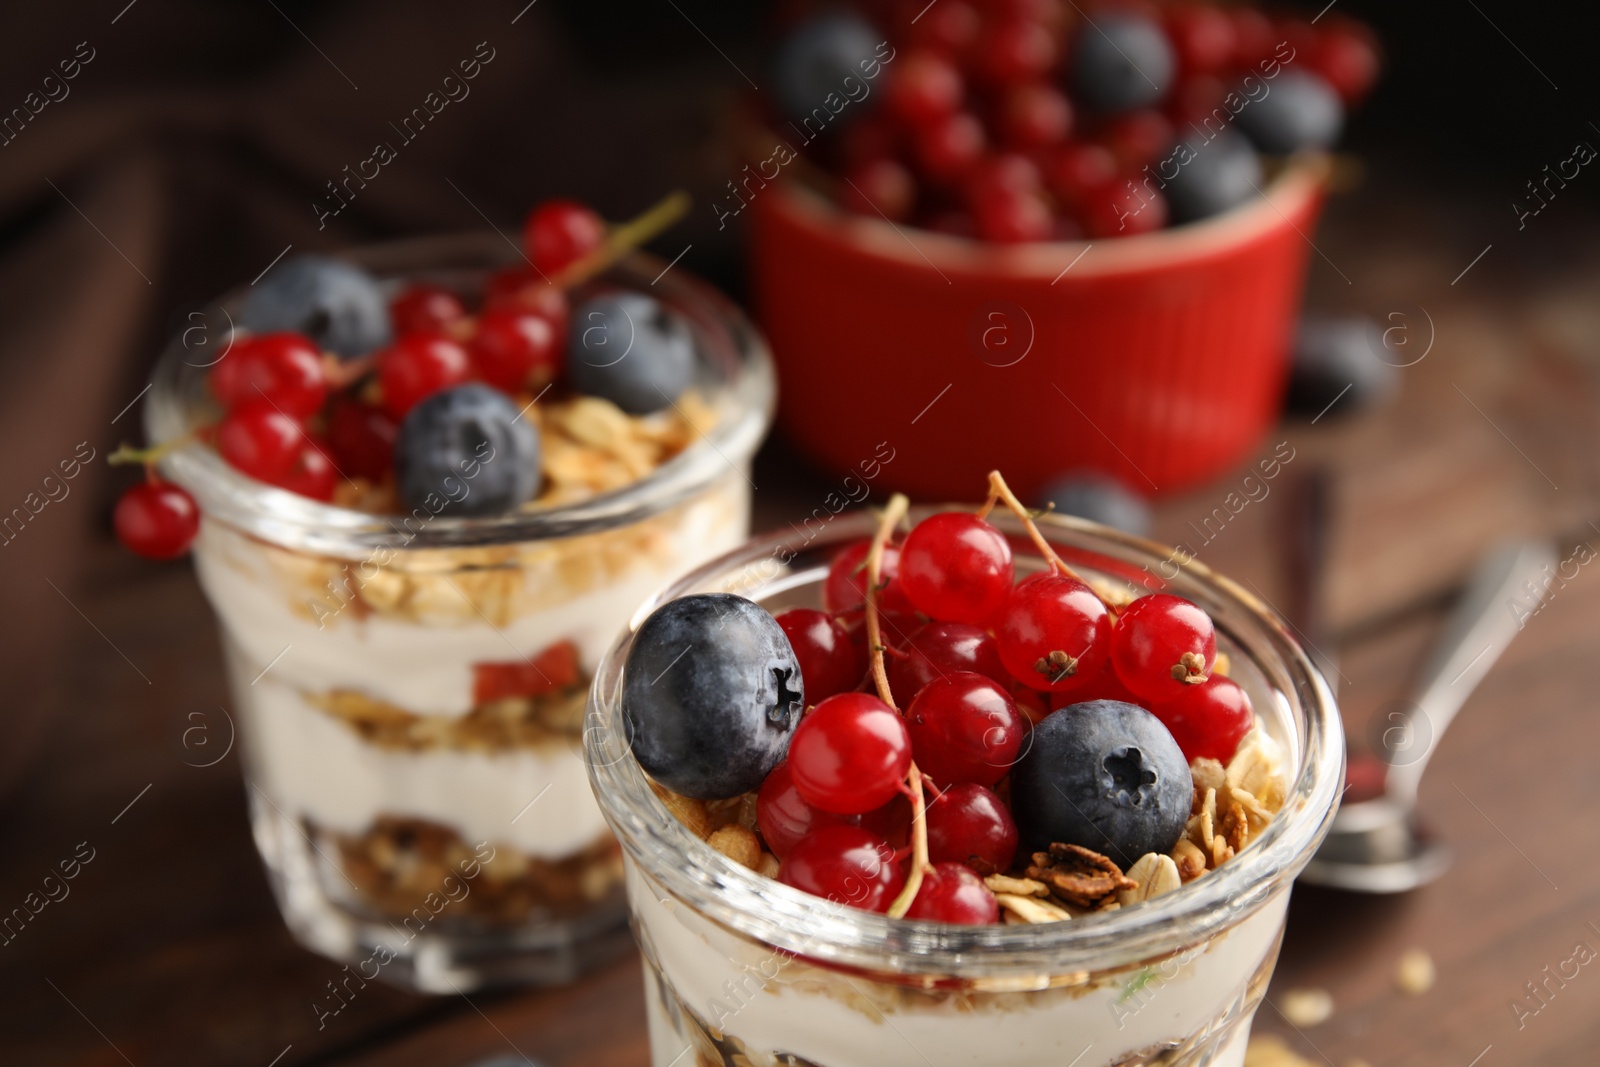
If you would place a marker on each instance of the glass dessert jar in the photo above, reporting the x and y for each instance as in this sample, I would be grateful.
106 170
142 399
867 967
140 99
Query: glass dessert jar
408 689
743 970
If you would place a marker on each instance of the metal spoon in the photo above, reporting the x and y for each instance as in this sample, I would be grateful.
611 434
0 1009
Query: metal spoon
1375 845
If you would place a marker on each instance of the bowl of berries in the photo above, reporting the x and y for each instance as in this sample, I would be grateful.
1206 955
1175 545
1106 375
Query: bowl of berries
423 484
1094 219
989 781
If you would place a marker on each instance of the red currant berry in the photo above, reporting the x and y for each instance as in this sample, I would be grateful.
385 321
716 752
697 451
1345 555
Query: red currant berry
1138 138
561 232
1300 35
1253 35
1209 719
156 520
1079 170
1034 116
850 754
1032 703
872 137
923 87
1008 172
880 187
969 824
1364 777
259 440
784 816
1053 629
830 660
416 367
522 288
425 309
514 349
948 148
950 26
892 822
965 728
1124 210
312 473
1015 219
1346 57
940 648
285 368
847 865
957 568
1051 14
361 439
953 893
1014 51
1161 645
1197 101
844 590
1103 685
1202 36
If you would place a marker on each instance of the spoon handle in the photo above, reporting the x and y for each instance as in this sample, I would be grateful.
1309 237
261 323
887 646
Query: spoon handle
1506 587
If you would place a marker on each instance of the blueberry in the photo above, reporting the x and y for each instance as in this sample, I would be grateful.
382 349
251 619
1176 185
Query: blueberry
467 451
1300 111
1099 498
337 305
1103 775
1213 176
711 695
1341 358
817 57
1121 63
631 350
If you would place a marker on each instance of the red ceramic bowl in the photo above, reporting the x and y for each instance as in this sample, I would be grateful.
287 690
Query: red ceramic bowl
1159 359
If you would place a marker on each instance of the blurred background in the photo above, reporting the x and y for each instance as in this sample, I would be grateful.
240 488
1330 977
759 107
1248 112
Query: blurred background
188 155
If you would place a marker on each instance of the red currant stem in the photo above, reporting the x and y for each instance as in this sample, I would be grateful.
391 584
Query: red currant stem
919 846
892 516
153 454
1000 491
898 504
624 239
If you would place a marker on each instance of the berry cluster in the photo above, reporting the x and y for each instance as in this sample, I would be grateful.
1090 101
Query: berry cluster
334 376
933 682
1035 120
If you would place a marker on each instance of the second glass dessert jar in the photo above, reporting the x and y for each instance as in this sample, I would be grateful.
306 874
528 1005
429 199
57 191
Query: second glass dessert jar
408 689
741 970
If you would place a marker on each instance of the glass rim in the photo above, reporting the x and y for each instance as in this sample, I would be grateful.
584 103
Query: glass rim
748 903
286 518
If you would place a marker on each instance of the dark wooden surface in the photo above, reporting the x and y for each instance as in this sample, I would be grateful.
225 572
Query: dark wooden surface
168 949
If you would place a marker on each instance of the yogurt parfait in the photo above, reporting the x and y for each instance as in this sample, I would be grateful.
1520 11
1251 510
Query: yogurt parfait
425 485
967 793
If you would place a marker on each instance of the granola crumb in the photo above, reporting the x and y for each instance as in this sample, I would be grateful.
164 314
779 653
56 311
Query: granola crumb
738 844
1307 1007
1414 972
692 813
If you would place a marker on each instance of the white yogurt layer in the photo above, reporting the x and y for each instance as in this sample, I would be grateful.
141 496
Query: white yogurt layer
751 993
316 766
313 766
427 668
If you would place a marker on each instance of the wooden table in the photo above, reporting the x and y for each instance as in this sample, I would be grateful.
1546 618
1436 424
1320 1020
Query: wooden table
168 949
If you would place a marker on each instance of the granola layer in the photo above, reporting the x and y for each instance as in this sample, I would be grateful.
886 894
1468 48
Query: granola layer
401 861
